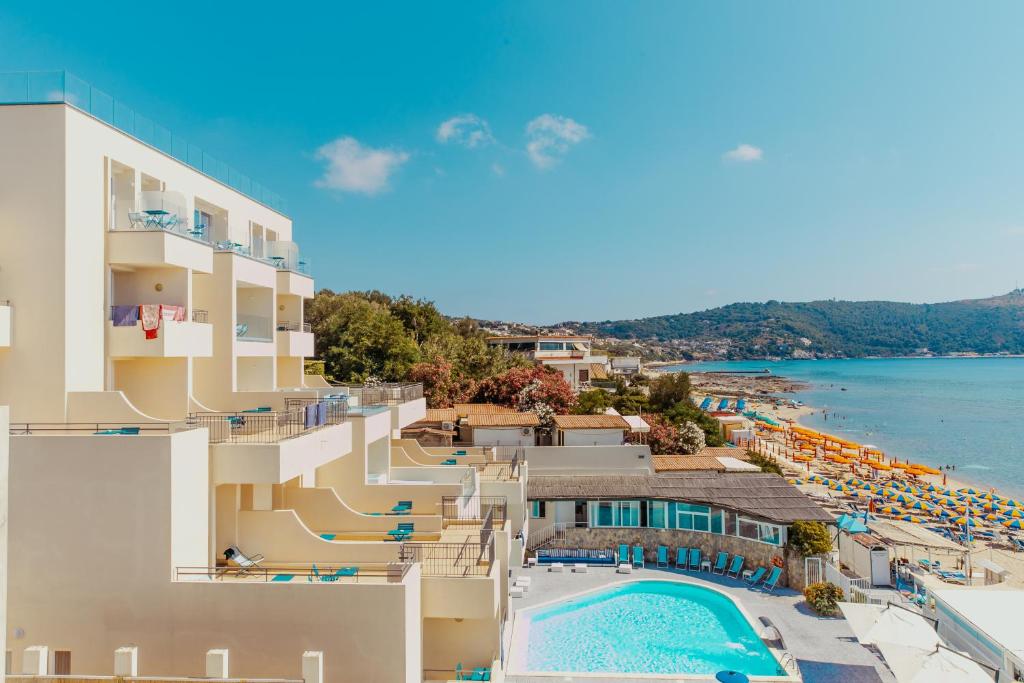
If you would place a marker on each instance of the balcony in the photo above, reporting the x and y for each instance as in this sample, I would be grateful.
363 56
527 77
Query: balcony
294 339
174 338
457 579
5 323
255 335
159 244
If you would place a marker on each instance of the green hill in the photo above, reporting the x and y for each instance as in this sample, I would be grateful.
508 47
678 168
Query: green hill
833 328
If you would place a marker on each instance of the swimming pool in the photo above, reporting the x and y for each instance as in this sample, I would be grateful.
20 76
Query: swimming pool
652 627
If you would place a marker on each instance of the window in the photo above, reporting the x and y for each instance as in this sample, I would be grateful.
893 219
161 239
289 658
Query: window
537 509
657 514
62 662
584 375
550 346
693 517
615 513
758 531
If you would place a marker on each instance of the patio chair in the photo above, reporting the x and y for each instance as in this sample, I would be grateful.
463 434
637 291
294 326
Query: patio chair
694 563
480 673
243 562
346 571
736 567
756 577
662 556
404 507
772 581
315 575
623 553
403 531
449 461
720 562
241 329
681 557
638 556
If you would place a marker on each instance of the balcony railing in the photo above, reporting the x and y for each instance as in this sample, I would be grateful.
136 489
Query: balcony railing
200 316
474 510
174 223
51 87
389 394
253 328
472 558
288 326
284 254
264 426
99 428
356 572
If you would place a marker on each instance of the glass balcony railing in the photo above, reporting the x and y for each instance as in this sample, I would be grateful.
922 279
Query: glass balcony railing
285 255
253 328
54 87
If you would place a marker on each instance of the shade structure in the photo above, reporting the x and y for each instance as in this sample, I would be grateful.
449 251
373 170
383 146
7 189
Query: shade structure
890 510
1013 512
874 624
1014 524
936 665
912 518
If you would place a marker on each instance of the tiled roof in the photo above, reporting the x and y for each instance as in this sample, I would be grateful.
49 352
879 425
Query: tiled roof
503 420
439 415
466 409
686 463
764 495
590 422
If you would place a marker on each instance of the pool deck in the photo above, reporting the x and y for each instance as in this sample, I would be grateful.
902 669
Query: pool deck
825 648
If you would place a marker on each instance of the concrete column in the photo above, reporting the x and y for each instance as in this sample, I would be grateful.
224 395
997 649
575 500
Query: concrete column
262 497
308 479
312 667
36 660
217 664
126 661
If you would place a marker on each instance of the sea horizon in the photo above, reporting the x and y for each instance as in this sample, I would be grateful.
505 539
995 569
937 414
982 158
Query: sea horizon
943 412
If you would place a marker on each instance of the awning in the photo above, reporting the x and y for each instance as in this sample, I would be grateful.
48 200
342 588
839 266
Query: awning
938 665
873 624
636 423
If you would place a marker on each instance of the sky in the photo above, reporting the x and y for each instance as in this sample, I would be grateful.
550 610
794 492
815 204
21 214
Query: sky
541 162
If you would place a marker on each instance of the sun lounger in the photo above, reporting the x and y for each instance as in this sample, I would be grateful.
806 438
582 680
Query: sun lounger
403 531
480 673
243 562
756 577
736 567
638 556
449 461
315 575
459 453
404 507
347 571
662 556
772 580
681 554
720 562
623 553
952 577
694 563
1017 543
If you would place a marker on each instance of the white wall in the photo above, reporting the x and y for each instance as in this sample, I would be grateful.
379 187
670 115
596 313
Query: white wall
507 436
597 459
592 437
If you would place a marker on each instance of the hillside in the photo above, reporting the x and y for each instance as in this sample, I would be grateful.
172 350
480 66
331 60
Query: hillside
830 329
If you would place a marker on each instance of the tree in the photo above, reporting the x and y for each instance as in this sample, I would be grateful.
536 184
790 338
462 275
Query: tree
691 438
631 402
593 402
810 538
533 385
823 597
669 390
663 437
686 411
442 387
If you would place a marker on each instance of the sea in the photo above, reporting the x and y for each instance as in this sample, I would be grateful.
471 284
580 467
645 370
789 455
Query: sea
965 412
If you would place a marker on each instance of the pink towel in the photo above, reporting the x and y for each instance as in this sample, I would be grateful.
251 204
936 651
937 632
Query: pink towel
150 315
179 314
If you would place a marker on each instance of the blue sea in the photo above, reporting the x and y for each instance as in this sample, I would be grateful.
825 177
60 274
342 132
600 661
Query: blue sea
957 411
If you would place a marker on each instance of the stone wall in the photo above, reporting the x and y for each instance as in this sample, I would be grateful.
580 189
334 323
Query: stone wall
754 554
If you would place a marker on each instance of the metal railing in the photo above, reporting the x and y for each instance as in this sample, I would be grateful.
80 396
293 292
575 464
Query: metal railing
200 316
253 328
472 558
549 534
393 572
499 453
255 427
473 510
389 394
104 428
53 87
288 326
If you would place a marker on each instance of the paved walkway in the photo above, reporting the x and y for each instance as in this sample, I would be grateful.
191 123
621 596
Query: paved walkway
825 648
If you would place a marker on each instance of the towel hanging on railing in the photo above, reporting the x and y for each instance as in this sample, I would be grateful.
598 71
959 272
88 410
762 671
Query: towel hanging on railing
150 314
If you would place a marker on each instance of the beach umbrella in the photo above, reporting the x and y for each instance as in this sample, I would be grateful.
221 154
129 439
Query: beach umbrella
795 482
966 521
939 512
992 507
890 510
873 624
841 488
934 488
948 502
920 505
988 495
1013 513
854 481
992 517
1013 524
902 498
912 518
937 664
968 491
1010 503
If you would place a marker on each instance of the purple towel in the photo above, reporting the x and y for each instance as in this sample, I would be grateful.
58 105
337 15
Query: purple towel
125 316
321 413
310 421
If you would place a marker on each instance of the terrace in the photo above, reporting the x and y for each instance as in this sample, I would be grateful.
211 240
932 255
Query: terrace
261 426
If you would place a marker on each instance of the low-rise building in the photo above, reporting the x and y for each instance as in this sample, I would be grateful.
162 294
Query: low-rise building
590 430
569 354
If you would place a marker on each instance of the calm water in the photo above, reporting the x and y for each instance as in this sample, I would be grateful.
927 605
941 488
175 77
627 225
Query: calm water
647 627
959 411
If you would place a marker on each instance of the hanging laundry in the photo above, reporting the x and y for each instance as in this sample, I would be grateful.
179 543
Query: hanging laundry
310 416
125 316
179 314
150 314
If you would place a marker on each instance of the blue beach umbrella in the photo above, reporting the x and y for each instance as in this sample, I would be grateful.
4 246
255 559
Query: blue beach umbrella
731 677
1013 524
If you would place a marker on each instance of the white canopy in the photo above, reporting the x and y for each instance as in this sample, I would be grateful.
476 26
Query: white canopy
938 665
873 624
636 423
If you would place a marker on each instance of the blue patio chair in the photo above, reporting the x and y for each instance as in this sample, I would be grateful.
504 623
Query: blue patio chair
773 580
736 567
662 556
623 553
449 461
404 507
720 562
638 556
681 558
317 576
480 673
347 571
403 531
694 563
756 577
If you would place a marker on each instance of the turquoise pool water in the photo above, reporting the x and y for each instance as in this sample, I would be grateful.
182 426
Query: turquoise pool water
661 627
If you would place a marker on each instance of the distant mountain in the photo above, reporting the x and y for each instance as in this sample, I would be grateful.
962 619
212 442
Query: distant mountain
829 329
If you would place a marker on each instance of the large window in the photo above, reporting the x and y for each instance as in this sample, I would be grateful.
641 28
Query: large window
615 513
657 514
551 346
758 531
693 517
537 509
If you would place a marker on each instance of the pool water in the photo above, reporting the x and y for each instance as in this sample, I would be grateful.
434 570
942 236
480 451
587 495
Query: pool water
662 627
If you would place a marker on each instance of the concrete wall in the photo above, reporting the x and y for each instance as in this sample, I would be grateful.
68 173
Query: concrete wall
502 436
581 459
592 437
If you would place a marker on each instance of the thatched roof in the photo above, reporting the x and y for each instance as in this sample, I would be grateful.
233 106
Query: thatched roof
763 495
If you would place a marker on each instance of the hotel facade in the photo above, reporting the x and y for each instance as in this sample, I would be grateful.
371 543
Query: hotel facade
180 492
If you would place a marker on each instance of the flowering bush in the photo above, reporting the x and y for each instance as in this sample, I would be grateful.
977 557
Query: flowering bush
441 386
528 387
823 597
691 438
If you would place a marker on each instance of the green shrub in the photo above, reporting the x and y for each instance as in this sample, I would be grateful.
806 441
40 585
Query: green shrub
823 597
810 538
764 462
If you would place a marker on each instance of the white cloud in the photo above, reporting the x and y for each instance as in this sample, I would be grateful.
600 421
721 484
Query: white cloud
549 138
497 169
468 130
744 154
353 167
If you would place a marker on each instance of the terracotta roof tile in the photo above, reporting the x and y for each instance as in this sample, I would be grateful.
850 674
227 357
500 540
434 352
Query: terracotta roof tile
503 420
466 409
686 463
439 415
590 422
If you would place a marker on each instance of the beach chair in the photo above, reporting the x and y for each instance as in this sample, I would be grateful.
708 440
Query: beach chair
449 461
403 531
735 567
245 563
623 553
720 562
480 673
315 575
756 577
694 563
663 556
1017 543
681 558
772 580
404 507
638 556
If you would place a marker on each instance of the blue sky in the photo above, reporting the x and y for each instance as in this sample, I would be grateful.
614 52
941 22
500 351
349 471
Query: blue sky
600 160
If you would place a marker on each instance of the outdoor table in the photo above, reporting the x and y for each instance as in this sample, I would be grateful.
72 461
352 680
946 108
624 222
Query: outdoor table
747 573
705 565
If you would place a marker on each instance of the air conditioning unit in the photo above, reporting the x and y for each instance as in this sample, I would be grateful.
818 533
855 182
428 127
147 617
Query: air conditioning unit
526 431
448 426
